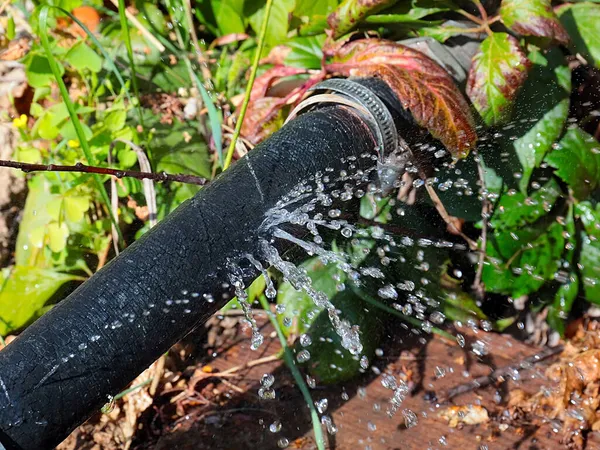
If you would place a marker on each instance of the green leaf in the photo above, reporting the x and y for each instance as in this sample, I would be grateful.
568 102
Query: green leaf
306 52
38 71
521 261
115 120
498 71
577 162
589 264
351 12
517 148
533 18
329 362
24 291
309 9
515 209
279 20
229 15
533 146
10 29
459 305
559 311
82 57
582 21
297 304
75 207
35 215
57 236
590 218
589 260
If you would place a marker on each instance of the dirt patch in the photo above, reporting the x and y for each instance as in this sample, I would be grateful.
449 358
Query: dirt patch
214 403
13 85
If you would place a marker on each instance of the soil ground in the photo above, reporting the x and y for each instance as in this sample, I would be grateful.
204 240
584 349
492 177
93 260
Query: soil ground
201 409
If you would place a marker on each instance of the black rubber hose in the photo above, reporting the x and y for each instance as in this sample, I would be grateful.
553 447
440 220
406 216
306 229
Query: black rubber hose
63 367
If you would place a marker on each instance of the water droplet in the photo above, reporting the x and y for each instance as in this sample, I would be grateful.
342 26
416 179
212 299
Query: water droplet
321 405
303 356
275 427
388 292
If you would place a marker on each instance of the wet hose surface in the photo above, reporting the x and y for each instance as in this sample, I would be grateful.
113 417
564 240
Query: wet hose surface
63 367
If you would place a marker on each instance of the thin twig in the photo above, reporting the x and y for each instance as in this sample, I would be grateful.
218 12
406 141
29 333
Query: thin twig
470 16
484 16
482 10
478 286
248 365
240 121
136 23
437 202
501 373
159 177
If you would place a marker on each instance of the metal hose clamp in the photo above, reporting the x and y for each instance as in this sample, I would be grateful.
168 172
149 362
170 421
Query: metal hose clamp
365 102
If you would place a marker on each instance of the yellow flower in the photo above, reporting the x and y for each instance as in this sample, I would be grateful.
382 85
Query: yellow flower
73 143
20 122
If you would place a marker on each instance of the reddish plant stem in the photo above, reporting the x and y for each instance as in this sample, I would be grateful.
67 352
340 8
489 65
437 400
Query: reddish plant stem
82 168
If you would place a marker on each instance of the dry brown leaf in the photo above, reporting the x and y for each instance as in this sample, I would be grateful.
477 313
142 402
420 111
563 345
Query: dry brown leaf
468 415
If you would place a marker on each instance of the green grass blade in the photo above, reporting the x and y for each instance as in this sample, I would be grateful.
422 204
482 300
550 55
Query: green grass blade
136 91
288 357
261 44
214 116
73 115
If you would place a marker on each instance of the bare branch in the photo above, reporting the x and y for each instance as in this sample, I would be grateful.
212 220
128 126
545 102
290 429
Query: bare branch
159 177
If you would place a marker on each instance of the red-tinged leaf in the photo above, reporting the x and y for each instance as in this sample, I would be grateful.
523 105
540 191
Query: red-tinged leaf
498 70
423 87
265 114
351 12
533 18
263 117
266 80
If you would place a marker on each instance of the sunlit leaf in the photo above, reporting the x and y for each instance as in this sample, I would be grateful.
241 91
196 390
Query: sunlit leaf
306 52
37 69
422 86
81 57
521 261
57 236
533 146
75 207
498 70
24 291
582 21
34 217
278 22
229 15
533 18
516 209
577 161
351 12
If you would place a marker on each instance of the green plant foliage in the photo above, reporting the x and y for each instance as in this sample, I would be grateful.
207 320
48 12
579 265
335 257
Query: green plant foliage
24 291
577 161
498 72
582 21
297 307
